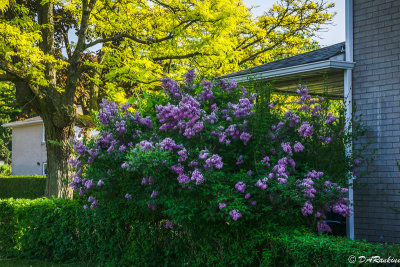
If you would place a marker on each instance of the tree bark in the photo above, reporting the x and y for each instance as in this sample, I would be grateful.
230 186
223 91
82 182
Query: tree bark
58 153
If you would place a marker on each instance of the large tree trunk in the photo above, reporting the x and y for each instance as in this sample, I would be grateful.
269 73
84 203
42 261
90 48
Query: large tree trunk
58 153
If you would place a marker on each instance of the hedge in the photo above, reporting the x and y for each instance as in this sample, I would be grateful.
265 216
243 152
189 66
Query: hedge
60 230
22 186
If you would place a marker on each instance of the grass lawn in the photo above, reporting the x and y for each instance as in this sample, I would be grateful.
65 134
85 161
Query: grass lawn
33 263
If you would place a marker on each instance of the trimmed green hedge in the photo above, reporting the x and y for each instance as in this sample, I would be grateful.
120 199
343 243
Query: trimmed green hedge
22 186
60 230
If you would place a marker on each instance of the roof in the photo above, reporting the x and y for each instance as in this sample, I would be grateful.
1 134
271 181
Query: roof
322 54
33 120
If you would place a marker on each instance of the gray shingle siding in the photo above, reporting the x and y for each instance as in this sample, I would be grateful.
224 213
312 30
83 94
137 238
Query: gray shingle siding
376 93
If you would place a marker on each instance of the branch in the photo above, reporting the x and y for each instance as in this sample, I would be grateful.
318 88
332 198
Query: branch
128 36
180 57
11 71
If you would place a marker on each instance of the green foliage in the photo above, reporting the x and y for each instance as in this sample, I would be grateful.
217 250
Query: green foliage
5 169
59 230
8 112
22 186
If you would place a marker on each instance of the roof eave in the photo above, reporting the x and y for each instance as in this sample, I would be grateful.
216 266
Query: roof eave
21 123
320 65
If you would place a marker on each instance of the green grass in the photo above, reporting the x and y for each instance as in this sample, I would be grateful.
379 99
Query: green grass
34 263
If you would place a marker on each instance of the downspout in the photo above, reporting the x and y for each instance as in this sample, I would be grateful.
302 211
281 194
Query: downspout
348 96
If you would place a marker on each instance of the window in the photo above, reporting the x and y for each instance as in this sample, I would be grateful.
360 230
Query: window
44 168
43 136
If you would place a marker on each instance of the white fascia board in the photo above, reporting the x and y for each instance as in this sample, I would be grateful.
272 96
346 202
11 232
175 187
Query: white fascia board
21 123
327 64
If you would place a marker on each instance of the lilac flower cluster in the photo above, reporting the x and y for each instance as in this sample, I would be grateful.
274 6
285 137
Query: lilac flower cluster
108 112
235 214
171 88
305 129
185 117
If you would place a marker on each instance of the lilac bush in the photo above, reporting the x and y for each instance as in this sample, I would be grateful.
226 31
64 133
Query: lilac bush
198 154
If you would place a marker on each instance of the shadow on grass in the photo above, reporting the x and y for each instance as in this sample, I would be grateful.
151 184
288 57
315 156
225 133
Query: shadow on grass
35 263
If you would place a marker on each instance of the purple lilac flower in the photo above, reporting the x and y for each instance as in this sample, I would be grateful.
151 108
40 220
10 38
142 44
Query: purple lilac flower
108 111
242 109
227 86
124 165
330 119
94 204
305 129
207 93
307 208
265 160
80 148
183 179
75 163
292 118
214 161
292 163
260 185
309 189
298 147
235 214
253 203
182 155
247 196
245 137
89 184
144 181
146 145
190 76
120 127
169 145
249 172
328 140
221 205
193 163
240 186
357 162
239 160
197 176
122 148
178 169
125 107
100 183
154 193
169 225
128 196
171 88
85 207
91 199
323 227
286 148
314 175
183 117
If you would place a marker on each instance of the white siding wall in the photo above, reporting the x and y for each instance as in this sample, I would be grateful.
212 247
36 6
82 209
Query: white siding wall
28 149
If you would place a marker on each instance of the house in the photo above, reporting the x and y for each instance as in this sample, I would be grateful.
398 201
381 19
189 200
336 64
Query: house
28 147
364 71
29 154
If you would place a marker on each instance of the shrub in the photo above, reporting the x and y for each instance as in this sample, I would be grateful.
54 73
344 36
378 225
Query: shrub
59 230
22 186
5 169
209 153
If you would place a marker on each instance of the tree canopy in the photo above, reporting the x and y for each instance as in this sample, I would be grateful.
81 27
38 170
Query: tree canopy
140 41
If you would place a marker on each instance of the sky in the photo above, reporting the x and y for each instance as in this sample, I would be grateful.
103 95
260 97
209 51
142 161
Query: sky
332 34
